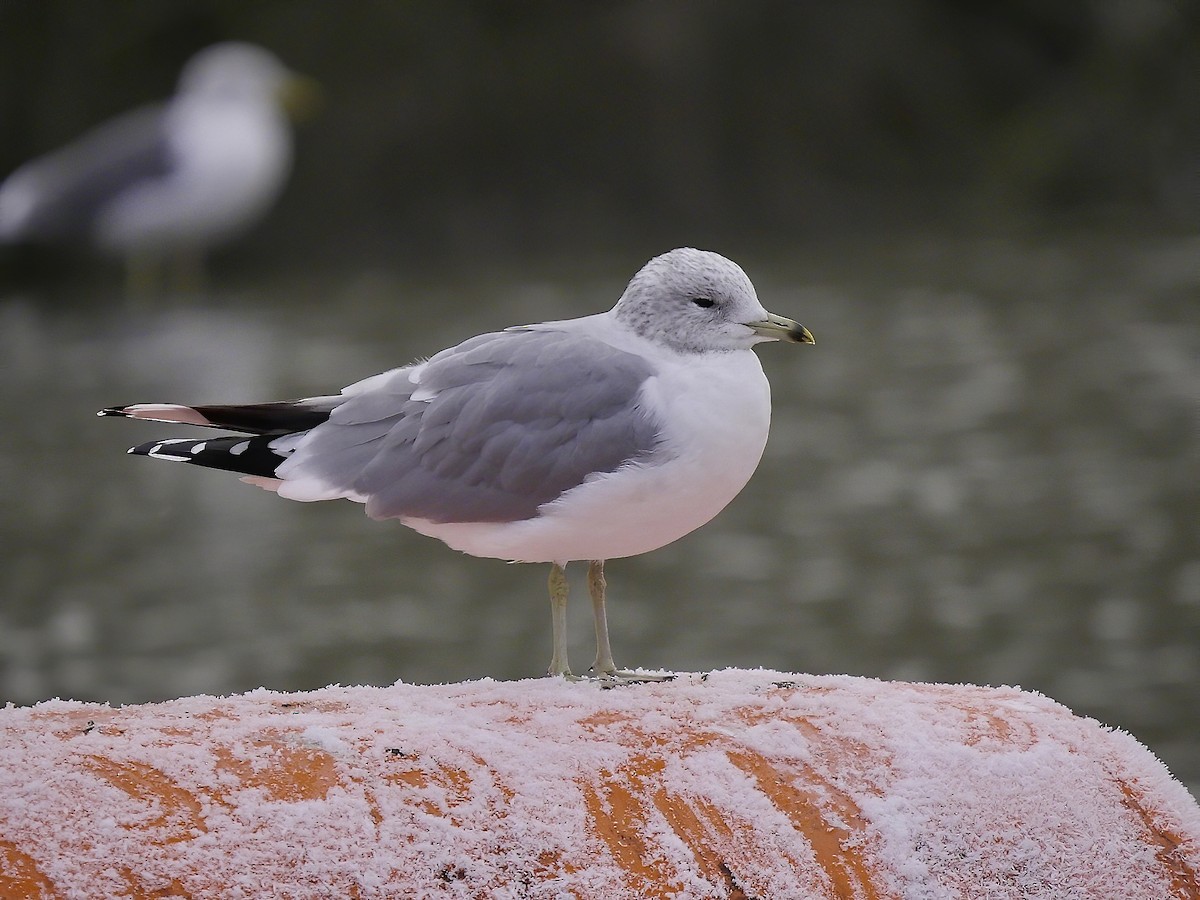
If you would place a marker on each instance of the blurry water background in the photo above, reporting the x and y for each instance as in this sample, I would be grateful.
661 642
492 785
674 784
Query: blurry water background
986 470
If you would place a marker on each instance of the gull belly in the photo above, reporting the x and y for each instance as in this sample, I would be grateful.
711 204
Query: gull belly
716 411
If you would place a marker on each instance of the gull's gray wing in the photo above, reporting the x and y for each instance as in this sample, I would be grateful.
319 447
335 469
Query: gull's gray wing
493 429
58 196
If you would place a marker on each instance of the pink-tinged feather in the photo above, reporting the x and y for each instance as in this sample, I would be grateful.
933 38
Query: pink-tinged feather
165 412
267 484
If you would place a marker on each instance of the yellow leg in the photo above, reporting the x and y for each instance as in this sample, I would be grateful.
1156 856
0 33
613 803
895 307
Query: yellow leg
604 664
604 667
558 621
189 272
143 272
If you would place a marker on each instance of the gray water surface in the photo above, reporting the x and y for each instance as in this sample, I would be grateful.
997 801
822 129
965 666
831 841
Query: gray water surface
985 471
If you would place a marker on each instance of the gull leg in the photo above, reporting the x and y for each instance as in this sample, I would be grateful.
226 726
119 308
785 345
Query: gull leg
189 272
142 274
604 667
558 621
604 664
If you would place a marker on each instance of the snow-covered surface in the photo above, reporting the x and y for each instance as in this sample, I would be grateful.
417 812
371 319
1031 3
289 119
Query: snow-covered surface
745 784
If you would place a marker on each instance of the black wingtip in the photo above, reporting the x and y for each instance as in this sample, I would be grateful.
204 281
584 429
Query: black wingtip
112 411
160 449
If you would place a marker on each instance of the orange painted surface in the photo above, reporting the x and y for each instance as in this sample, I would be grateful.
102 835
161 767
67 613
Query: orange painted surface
742 786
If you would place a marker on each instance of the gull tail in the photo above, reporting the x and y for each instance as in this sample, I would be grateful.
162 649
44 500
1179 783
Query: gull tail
274 429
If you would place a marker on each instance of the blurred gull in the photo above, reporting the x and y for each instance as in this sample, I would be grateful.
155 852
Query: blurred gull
170 181
584 439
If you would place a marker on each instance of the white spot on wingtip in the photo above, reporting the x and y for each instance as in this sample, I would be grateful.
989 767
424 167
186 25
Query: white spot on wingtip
198 448
157 452
239 449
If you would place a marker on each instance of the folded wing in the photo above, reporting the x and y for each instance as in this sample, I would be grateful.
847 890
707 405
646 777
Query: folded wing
487 431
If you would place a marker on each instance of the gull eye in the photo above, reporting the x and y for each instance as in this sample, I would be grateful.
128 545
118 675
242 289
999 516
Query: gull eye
704 302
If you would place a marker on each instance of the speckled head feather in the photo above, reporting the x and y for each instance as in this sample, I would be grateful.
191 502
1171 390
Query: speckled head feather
693 301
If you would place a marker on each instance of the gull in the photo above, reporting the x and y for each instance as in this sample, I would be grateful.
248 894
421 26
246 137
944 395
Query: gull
586 439
168 181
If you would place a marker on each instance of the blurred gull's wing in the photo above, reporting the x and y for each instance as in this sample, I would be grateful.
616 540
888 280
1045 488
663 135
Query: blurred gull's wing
61 195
